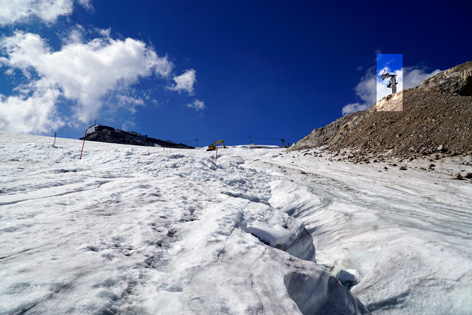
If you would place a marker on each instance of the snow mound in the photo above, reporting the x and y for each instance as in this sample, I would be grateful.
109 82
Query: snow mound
297 242
275 236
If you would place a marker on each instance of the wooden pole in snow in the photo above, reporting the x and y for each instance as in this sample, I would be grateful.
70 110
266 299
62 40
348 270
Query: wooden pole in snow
83 143
216 154
54 139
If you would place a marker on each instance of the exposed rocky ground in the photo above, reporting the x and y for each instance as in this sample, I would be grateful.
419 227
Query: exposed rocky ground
112 135
436 122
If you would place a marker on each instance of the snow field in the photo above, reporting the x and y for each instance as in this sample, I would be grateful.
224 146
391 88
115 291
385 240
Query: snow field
142 230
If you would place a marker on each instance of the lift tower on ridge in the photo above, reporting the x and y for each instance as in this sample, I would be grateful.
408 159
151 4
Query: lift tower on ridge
393 80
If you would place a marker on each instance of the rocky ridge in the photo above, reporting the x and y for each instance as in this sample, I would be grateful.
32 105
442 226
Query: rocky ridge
436 121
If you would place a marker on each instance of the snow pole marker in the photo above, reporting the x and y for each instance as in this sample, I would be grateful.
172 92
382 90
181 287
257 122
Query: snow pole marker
216 153
54 139
83 143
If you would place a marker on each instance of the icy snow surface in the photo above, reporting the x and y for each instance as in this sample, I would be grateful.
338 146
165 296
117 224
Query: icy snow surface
145 230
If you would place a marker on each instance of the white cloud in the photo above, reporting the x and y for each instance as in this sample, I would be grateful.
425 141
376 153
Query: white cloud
185 81
130 102
371 88
415 76
365 89
197 105
354 107
82 72
128 125
17 11
35 113
104 32
74 37
86 4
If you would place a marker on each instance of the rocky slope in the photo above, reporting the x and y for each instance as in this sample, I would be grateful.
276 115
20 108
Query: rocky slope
436 119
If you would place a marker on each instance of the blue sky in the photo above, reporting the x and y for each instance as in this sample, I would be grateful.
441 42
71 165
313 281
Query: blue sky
208 70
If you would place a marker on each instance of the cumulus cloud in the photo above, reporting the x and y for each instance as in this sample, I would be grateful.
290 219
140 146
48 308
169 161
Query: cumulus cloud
84 73
17 11
197 105
415 76
34 113
185 81
366 91
371 87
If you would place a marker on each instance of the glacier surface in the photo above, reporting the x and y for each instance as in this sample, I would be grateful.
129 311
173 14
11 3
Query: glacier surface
131 229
